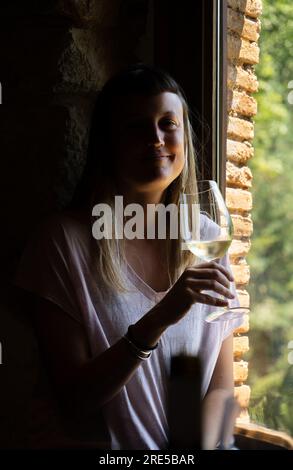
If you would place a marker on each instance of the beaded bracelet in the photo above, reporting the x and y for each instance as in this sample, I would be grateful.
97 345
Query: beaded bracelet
136 351
138 345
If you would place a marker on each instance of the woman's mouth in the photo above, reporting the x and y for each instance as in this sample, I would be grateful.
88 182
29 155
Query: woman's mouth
157 156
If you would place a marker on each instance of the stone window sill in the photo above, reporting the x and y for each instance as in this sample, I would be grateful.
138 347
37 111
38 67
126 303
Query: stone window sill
254 437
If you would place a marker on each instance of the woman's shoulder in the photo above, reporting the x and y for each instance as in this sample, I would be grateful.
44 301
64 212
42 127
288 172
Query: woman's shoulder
68 220
66 227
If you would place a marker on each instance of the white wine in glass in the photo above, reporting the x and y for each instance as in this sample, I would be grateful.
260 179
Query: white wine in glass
208 249
207 231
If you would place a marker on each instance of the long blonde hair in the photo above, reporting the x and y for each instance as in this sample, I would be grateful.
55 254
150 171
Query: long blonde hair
97 184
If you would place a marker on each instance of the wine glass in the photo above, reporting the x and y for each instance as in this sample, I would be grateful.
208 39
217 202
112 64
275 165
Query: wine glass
207 231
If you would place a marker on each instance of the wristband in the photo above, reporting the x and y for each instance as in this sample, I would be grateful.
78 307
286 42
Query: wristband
138 345
140 353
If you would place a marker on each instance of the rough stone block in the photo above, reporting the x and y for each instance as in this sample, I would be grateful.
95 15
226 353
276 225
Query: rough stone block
240 129
80 62
239 248
240 369
244 328
241 274
241 78
238 200
240 345
241 103
240 177
244 298
83 13
243 226
95 54
132 14
242 51
242 395
239 152
251 8
245 27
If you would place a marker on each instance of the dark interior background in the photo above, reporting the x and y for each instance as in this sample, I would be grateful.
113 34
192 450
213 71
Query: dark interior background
54 57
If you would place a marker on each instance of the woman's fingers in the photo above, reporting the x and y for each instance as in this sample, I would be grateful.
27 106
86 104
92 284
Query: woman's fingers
200 269
203 298
212 274
198 285
209 300
210 271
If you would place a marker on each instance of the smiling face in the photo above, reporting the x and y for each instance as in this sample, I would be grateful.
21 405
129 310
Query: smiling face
148 141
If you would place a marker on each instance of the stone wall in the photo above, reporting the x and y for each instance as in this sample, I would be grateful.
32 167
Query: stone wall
243 53
54 56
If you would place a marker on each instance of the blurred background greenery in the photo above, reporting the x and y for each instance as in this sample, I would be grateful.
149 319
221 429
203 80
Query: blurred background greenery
271 256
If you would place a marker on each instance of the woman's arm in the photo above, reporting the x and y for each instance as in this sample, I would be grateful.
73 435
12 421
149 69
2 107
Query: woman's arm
83 383
223 373
221 387
87 383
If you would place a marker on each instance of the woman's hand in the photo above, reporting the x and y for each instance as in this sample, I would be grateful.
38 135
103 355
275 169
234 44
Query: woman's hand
209 276
186 291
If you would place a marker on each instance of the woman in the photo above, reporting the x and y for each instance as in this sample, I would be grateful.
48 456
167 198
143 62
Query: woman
89 292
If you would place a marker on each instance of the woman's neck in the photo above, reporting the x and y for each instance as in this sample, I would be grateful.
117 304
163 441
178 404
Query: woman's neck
144 199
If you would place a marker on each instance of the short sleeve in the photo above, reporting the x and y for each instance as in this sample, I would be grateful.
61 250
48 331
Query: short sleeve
45 268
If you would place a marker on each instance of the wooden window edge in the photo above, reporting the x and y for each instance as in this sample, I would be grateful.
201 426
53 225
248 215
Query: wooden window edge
253 436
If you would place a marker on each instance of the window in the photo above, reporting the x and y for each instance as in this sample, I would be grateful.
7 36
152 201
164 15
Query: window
271 287
190 43
195 54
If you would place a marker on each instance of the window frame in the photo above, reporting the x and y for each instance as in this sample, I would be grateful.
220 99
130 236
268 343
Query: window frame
204 37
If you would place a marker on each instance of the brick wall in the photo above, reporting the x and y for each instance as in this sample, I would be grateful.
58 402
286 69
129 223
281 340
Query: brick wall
243 53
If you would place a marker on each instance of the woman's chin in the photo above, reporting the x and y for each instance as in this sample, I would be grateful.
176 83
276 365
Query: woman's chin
153 185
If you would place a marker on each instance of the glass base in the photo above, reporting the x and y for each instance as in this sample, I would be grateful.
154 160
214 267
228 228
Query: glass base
226 313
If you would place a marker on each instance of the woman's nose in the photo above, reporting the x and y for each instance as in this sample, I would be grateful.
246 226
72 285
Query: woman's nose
156 144
156 138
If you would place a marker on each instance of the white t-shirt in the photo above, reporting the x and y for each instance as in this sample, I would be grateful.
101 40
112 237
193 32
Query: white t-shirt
55 265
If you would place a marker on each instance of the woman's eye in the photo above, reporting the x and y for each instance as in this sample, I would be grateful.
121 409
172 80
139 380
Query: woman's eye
170 122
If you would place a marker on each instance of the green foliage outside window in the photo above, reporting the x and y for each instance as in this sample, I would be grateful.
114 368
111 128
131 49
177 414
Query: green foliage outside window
271 257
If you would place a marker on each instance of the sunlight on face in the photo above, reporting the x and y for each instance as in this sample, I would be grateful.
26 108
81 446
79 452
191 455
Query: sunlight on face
148 135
